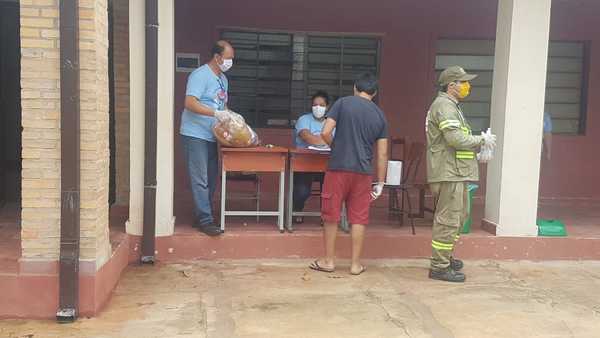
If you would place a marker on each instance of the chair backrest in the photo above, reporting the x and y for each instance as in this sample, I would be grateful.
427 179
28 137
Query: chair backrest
242 176
398 144
411 164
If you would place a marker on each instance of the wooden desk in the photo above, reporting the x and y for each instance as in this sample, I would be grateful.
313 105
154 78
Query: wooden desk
308 161
258 159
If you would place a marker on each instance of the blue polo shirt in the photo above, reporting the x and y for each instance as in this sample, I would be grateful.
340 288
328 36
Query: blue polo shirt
547 123
211 91
310 123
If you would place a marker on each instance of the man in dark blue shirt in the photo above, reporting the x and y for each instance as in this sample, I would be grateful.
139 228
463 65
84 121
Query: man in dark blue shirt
359 126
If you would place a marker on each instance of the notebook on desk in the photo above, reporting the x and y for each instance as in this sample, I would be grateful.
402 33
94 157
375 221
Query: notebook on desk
319 148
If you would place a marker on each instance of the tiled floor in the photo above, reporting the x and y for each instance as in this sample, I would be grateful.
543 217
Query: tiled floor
10 238
582 218
393 298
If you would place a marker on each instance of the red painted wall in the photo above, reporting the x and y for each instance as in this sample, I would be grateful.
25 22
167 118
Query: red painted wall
410 30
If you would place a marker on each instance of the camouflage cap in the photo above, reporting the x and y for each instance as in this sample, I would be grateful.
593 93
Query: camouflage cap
454 73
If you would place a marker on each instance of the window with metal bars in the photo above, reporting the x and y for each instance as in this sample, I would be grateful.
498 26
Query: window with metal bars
566 84
275 73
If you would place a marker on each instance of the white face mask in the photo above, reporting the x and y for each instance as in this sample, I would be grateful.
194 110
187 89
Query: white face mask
227 64
318 111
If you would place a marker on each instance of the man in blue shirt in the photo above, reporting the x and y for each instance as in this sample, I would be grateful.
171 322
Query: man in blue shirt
308 133
205 102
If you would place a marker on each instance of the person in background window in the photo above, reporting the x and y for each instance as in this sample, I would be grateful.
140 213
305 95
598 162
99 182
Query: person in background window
308 133
547 137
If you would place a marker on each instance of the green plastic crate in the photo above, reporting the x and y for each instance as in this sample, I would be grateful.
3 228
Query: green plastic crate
466 228
551 227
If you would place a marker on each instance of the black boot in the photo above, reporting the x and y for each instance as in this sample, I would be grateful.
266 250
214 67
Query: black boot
210 229
447 275
456 264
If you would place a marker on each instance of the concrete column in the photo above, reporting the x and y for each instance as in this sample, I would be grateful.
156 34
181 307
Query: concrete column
166 59
165 221
517 115
137 78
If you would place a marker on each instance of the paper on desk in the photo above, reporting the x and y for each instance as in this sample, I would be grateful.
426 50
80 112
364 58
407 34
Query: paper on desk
319 148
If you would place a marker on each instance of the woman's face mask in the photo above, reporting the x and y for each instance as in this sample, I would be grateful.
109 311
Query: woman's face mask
318 111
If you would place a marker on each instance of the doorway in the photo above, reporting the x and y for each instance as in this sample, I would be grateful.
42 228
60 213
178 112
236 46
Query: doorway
10 131
10 106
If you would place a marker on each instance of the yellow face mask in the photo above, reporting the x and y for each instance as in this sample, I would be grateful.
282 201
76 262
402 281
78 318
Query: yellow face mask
465 90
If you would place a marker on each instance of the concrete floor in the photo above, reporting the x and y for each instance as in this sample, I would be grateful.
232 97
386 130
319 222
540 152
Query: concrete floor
391 299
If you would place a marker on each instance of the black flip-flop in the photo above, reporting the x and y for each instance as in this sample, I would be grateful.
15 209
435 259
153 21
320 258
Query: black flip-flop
362 269
315 266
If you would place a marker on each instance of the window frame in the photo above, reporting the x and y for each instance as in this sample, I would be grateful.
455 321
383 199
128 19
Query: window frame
583 88
292 115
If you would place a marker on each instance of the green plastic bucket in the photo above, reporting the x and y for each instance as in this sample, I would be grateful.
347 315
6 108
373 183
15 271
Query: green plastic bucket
466 228
551 227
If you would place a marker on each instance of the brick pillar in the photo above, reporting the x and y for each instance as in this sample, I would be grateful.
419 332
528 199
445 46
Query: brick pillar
40 101
121 78
93 49
40 80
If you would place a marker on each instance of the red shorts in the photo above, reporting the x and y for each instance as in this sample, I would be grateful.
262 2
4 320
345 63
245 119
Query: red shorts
349 187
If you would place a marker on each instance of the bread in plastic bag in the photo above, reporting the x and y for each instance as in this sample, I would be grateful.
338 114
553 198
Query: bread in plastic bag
233 131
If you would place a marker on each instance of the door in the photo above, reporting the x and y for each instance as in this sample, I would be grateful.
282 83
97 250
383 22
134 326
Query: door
10 103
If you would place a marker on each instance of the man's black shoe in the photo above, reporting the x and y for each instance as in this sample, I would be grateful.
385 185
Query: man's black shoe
447 275
456 264
210 229
196 224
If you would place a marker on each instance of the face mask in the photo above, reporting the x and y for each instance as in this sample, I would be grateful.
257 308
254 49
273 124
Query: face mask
227 63
465 90
318 111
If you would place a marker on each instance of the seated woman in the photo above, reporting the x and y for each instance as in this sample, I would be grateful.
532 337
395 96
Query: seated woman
308 133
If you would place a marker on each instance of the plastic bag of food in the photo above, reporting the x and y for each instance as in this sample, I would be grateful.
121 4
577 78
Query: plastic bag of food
486 153
232 131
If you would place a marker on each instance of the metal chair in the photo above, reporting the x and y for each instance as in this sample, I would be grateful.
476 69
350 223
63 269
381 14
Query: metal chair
395 144
246 177
316 192
408 182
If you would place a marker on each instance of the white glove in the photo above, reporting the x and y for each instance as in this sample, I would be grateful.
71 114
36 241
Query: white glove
222 115
489 138
376 190
485 155
487 149
237 117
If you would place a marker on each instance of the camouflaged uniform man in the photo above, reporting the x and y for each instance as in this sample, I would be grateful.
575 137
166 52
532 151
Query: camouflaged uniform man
451 164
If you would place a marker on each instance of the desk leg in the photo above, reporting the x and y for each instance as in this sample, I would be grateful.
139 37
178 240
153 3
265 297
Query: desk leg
290 208
421 203
223 198
281 209
344 219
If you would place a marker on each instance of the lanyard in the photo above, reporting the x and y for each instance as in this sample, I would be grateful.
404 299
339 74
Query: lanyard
221 84
222 94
